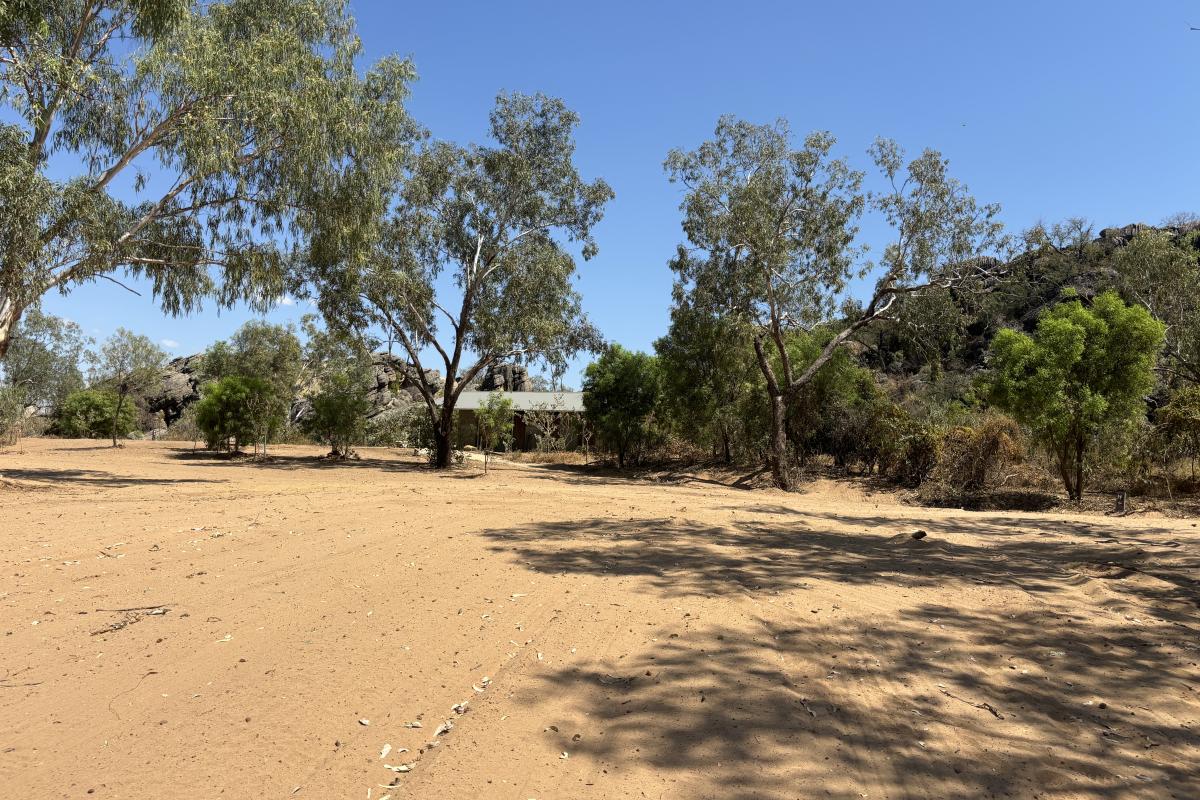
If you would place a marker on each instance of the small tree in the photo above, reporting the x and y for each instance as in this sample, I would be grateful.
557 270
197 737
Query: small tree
495 419
341 368
238 410
130 363
1082 370
621 392
90 414
259 349
339 414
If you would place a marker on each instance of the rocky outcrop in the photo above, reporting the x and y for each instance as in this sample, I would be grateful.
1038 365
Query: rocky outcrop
180 388
506 377
392 389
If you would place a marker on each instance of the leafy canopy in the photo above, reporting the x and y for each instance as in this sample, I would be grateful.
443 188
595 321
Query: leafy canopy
495 223
204 143
94 414
621 392
1083 369
495 421
43 361
1162 272
236 410
342 370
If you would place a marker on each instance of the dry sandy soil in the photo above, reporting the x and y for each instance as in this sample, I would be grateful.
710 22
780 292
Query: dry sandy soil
290 620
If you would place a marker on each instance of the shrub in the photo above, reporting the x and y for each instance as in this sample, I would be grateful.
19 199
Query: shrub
622 392
914 455
972 458
236 410
388 430
12 414
90 414
339 414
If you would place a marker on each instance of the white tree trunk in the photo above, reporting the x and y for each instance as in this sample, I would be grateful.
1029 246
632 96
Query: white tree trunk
9 314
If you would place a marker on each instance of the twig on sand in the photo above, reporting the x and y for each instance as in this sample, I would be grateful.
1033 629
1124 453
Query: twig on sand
135 608
985 706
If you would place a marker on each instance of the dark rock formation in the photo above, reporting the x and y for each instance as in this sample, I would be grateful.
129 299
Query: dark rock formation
180 388
506 377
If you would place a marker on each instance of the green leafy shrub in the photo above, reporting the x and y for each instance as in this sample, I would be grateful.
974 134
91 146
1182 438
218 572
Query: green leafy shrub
93 414
339 414
1084 369
236 410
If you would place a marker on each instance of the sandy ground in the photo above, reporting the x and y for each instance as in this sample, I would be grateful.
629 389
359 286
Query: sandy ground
292 620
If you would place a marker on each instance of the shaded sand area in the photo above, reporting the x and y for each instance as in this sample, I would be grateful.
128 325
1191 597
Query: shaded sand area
176 625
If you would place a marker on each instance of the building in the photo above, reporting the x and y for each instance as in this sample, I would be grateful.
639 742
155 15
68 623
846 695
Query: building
552 406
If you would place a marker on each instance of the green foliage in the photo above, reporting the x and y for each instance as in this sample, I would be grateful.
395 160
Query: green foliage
1084 369
245 111
392 429
1178 429
43 359
708 371
341 368
131 364
12 414
339 414
492 221
771 235
495 421
237 410
94 414
258 350
1163 274
621 392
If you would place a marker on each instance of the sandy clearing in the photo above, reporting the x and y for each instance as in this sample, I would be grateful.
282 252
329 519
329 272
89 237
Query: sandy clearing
673 641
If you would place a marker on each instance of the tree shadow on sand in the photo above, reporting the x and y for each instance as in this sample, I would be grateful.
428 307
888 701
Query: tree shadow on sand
932 704
91 478
681 557
916 701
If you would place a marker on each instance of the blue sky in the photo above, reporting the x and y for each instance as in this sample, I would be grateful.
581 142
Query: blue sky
1052 109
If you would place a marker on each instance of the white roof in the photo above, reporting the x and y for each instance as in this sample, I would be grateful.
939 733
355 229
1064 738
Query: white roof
526 401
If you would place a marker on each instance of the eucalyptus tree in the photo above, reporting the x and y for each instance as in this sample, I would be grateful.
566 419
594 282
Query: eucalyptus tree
43 362
1161 271
129 363
772 232
196 143
473 261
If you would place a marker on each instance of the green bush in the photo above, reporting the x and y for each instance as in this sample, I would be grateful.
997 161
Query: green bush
236 410
339 415
89 414
12 414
